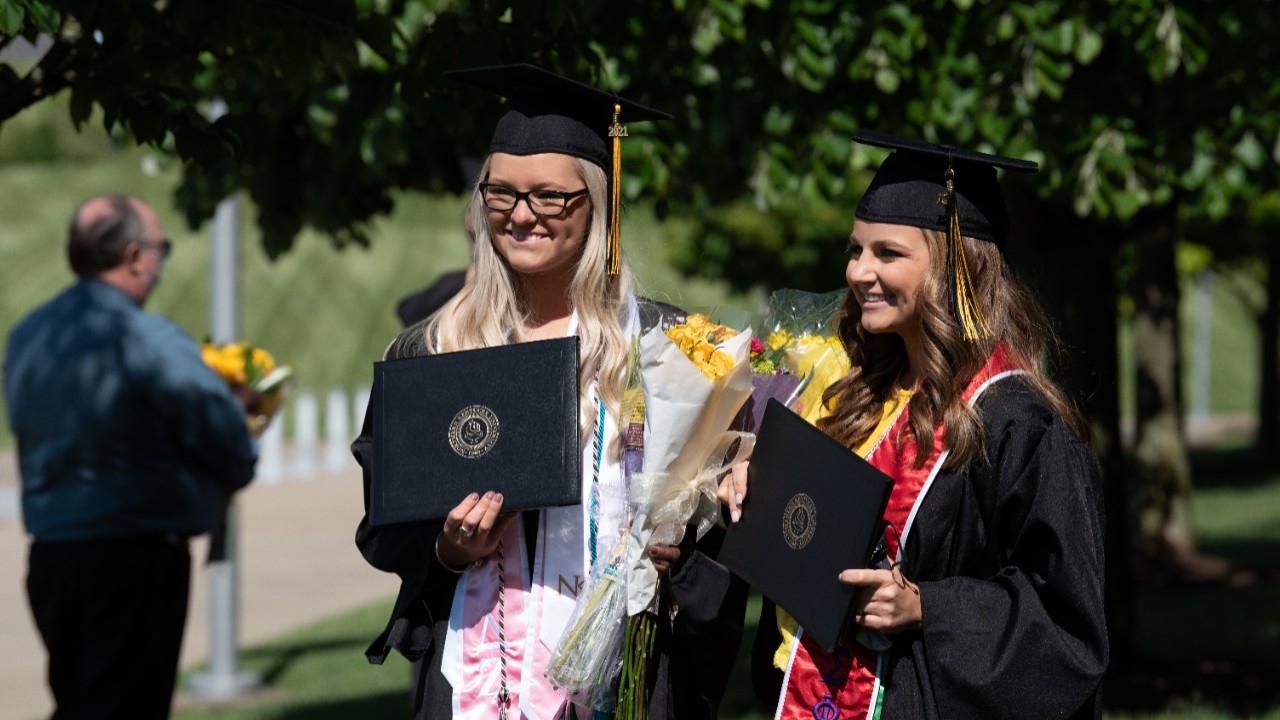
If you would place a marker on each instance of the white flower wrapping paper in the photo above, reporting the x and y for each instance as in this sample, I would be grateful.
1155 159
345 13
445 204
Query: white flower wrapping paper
686 440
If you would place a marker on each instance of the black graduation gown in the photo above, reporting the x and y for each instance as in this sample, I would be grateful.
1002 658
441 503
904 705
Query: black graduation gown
693 654
1008 555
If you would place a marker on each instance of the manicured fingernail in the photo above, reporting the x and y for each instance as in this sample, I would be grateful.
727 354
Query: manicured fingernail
735 515
473 497
497 497
488 495
738 498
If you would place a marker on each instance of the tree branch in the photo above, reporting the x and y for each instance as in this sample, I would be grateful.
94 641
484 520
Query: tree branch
353 31
49 76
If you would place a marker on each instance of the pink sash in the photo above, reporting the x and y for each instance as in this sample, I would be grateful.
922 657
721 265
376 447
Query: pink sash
473 666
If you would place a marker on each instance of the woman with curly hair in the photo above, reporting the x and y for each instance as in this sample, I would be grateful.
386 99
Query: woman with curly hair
988 601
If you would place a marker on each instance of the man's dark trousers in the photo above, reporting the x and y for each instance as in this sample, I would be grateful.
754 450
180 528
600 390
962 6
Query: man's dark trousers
111 613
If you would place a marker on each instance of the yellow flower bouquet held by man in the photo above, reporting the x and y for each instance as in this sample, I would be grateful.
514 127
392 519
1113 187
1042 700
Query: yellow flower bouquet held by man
253 376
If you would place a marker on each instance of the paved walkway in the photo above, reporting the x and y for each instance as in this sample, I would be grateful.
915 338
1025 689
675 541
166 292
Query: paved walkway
298 564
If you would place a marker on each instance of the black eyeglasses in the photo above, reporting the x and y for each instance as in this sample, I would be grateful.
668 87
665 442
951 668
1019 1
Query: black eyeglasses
543 203
161 249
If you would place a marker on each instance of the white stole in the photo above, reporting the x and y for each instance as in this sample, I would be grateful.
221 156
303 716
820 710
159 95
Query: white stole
538 601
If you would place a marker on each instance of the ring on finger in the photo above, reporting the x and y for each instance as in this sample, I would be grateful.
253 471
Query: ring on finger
465 532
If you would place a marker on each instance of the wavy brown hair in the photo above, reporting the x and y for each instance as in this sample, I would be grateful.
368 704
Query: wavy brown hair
1015 318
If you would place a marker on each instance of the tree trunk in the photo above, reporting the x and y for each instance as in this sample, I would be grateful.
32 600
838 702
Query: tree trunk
1161 469
1268 440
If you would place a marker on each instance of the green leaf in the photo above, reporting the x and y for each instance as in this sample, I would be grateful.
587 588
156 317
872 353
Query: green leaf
887 81
1250 151
777 121
1005 27
819 67
1048 84
813 35
1057 38
1127 203
1088 44
11 18
81 106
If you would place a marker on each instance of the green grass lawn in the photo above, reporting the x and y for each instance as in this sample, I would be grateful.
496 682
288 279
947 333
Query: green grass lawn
317 673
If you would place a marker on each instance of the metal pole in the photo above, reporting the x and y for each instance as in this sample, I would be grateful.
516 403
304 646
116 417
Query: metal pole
223 680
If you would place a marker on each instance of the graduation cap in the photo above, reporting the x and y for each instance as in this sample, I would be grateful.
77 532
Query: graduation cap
940 187
550 113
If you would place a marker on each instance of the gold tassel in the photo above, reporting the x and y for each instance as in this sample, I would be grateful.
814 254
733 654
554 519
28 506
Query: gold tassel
970 315
613 256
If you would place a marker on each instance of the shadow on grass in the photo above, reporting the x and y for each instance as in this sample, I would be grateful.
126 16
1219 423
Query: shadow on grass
1261 556
271 662
1243 467
377 704
382 705
319 672
1240 688
1207 645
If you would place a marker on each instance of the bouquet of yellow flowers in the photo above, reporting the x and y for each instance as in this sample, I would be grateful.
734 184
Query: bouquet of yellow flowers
801 355
254 378
695 377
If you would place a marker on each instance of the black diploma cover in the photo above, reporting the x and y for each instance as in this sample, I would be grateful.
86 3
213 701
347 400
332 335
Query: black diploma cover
813 508
502 418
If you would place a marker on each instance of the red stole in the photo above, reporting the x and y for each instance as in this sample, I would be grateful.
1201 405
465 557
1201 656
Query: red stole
845 684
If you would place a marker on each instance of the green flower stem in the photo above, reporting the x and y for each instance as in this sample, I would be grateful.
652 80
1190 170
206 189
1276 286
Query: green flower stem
633 696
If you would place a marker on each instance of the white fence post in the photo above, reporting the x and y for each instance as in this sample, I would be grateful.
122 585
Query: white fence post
271 452
337 434
343 419
361 404
306 421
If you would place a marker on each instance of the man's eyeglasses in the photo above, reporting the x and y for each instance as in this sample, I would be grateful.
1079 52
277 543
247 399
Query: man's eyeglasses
161 249
543 203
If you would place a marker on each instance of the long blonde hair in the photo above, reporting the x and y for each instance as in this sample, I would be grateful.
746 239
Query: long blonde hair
490 310
1014 317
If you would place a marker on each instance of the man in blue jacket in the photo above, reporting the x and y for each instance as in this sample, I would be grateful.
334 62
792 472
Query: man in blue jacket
128 445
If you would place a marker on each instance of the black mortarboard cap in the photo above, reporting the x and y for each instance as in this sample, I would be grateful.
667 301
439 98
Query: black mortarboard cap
906 188
945 188
549 113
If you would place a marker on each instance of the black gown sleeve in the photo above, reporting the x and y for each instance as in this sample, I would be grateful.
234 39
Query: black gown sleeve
1011 587
707 630
406 549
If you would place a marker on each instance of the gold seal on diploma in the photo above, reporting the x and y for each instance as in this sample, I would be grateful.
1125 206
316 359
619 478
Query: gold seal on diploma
474 431
799 520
